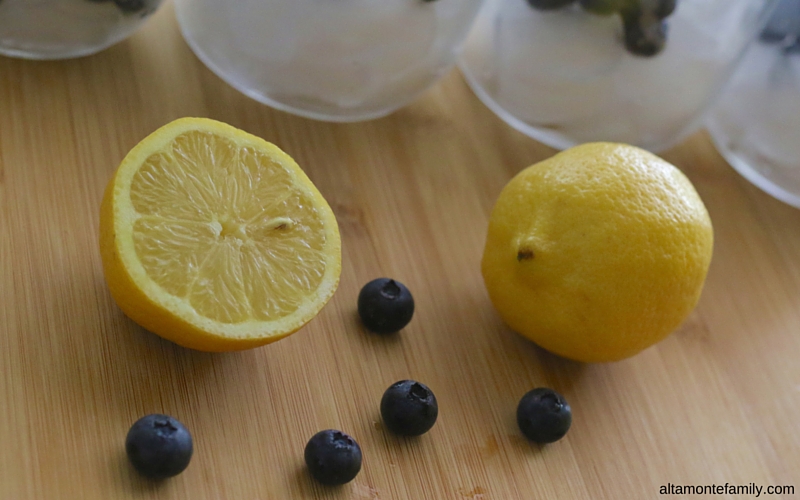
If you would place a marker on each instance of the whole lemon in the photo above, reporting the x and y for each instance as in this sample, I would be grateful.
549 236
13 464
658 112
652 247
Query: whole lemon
598 252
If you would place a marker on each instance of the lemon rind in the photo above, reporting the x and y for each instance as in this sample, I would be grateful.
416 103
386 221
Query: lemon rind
254 330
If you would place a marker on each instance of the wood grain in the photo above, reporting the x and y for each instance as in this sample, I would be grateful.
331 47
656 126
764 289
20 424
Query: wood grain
716 402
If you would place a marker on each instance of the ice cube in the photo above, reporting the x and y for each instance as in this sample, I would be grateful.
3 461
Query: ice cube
59 22
266 29
713 30
741 104
567 43
550 103
704 39
553 67
759 113
334 51
774 113
454 19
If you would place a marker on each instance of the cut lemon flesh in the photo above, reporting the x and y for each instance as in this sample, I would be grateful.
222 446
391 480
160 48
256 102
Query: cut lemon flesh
216 239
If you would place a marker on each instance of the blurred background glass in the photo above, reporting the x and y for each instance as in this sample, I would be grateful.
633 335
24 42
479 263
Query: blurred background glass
337 60
641 72
60 29
756 123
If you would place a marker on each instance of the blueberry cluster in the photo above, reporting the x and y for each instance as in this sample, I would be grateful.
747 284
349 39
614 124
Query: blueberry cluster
784 26
159 446
644 21
408 408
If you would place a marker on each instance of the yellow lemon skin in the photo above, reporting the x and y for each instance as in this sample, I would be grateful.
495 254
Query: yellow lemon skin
129 275
597 252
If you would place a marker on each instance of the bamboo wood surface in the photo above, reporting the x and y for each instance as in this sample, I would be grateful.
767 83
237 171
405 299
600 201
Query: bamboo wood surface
716 402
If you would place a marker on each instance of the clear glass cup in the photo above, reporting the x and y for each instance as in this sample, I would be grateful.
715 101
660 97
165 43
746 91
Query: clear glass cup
566 75
755 123
333 60
61 29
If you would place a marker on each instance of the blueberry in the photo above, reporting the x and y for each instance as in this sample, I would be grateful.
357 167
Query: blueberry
549 4
333 457
409 408
543 415
602 7
159 446
385 305
133 6
130 5
645 35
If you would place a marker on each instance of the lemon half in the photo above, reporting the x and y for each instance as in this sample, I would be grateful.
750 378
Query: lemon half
216 239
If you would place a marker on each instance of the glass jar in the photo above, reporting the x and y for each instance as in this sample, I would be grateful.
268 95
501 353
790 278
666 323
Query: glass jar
60 29
340 60
641 72
756 121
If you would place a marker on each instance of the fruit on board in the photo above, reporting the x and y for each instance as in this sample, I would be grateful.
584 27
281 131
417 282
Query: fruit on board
597 252
215 239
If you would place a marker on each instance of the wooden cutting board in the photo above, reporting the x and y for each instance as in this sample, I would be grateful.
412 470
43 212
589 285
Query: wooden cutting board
716 402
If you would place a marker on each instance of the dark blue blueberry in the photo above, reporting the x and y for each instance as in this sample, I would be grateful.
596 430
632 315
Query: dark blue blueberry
159 446
549 4
543 415
130 5
333 457
645 35
409 408
145 7
385 305
784 22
